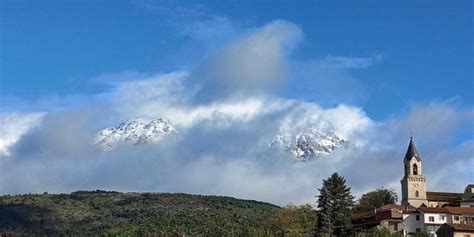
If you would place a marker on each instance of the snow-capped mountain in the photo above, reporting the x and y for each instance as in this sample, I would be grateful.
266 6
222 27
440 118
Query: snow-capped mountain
308 145
304 145
135 131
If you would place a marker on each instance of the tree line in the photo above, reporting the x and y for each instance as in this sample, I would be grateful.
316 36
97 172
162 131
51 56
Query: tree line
333 215
107 213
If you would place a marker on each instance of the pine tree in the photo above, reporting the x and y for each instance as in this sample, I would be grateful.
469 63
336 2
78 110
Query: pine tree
334 207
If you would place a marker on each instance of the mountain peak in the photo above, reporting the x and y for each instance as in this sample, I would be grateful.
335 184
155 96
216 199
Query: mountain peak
134 131
308 145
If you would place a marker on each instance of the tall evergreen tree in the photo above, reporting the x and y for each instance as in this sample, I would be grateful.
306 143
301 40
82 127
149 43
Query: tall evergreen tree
334 207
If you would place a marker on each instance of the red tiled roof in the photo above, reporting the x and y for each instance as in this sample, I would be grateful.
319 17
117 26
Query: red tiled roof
392 206
462 227
452 210
384 208
461 210
402 208
434 209
443 196
398 207
358 215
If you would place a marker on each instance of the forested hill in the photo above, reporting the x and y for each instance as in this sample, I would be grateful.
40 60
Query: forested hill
127 214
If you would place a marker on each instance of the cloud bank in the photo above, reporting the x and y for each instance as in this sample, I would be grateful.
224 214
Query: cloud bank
227 111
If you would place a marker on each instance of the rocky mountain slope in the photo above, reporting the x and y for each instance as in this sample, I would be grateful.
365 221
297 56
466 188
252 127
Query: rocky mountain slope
303 146
135 131
308 145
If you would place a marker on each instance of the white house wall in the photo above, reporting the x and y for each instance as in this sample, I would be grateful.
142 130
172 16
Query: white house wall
438 219
411 224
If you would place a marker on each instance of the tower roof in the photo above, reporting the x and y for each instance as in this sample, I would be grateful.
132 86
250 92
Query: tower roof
411 151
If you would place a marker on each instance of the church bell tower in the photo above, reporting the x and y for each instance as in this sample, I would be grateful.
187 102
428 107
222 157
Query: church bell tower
413 182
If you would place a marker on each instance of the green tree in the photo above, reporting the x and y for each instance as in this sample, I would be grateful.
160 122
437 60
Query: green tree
382 232
292 221
420 234
335 203
375 199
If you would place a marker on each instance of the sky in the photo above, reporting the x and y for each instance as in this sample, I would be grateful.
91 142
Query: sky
228 74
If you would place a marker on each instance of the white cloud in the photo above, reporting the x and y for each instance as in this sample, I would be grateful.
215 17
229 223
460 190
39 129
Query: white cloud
221 148
330 80
13 126
222 144
345 121
255 62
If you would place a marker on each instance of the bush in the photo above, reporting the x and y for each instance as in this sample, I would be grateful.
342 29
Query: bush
292 221
379 232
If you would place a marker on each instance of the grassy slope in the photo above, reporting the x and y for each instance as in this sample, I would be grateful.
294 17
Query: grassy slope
99 212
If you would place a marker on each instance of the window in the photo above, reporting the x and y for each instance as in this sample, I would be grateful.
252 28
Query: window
418 230
417 194
415 169
417 217
431 218
456 218
441 218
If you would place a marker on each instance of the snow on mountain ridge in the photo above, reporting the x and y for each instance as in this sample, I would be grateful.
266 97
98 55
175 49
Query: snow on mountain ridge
134 131
304 145
307 145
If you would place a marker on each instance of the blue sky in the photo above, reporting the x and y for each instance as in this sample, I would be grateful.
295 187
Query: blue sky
425 48
231 77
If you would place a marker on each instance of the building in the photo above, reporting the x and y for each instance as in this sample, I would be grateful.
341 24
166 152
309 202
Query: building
455 230
462 215
435 213
440 199
433 209
413 183
430 219
424 219
389 216
468 197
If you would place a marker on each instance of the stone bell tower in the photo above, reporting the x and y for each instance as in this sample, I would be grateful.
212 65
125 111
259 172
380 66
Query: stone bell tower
413 182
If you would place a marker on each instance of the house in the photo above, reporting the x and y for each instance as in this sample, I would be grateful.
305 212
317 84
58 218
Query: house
462 215
388 216
430 219
433 218
455 230
424 219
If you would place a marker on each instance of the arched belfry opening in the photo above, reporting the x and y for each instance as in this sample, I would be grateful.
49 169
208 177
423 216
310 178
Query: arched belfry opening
415 169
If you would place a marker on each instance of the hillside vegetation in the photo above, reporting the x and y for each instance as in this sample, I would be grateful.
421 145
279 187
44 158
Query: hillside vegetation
132 214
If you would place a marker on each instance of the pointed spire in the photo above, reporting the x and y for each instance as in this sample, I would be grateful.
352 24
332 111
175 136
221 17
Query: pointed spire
411 151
